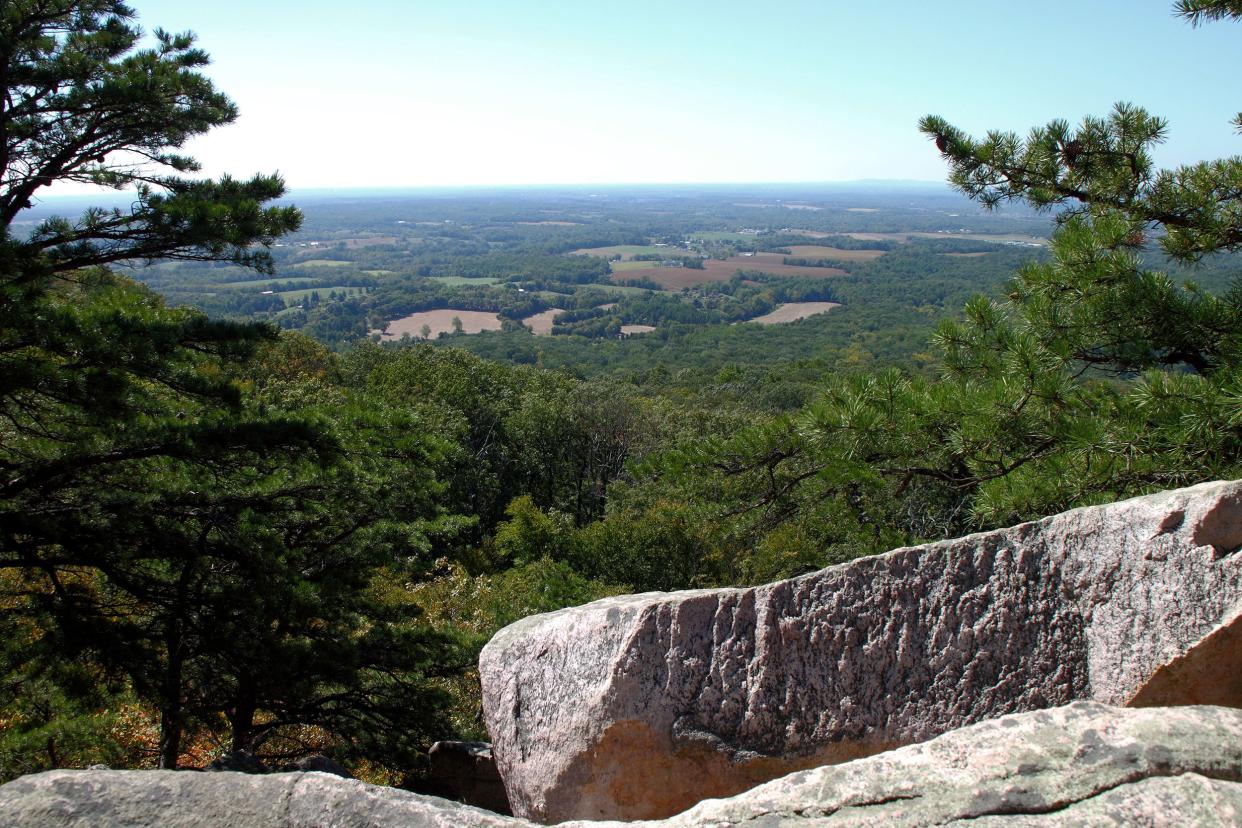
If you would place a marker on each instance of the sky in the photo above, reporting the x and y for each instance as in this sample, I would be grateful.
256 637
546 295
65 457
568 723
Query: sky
414 93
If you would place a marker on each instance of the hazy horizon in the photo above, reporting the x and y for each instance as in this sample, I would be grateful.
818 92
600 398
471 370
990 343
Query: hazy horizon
552 93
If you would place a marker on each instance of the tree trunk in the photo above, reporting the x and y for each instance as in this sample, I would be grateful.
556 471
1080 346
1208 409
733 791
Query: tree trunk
242 719
171 714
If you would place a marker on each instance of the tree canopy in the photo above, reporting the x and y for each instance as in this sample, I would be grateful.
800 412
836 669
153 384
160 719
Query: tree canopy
163 521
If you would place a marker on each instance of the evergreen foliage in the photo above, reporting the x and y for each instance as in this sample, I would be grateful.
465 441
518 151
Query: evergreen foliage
169 525
1095 378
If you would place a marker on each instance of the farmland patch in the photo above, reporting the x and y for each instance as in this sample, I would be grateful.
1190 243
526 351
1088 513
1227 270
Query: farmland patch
793 311
456 281
715 270
629 251
440 321
323 263
819 251
541 323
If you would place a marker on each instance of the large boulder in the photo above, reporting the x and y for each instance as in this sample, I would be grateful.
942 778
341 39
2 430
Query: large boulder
1085 764
638 707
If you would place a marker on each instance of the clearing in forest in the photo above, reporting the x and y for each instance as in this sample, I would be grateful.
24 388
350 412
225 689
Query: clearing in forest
454 281
541 323
793 311
629 251
715 270
323 263
995 238
819 251
440 321
368 241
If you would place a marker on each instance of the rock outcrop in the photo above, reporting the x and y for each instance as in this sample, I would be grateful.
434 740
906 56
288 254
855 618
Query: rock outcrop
183 799
638 707
1085 764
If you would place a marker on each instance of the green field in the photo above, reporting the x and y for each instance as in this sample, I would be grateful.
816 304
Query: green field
454 281
627 251
296 295
323 263
722 235
618 267
621 289
265 284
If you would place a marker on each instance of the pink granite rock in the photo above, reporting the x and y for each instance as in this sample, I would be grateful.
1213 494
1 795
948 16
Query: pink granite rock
641 706
1080 765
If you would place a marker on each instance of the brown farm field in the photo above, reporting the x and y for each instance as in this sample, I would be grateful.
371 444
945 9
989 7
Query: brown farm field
819 251
793 311
369 241
440 321
541 323
715 270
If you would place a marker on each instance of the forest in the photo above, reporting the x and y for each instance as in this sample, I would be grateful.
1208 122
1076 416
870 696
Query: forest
233 515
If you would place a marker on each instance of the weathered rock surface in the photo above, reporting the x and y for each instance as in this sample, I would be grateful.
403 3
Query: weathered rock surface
179 799
469 771
1085 764
640 706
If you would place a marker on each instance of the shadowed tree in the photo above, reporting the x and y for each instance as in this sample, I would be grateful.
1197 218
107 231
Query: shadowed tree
114 410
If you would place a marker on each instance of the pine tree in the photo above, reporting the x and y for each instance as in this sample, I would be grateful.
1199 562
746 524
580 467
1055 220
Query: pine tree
114 410
1096 377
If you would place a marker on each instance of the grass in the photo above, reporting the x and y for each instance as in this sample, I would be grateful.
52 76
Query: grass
618 267
722 235
819 251
622 290
265 284
714 270
324 263
453 281
995 238
628 251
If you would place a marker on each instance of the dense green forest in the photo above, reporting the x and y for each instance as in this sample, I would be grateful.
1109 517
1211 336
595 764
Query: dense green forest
234 516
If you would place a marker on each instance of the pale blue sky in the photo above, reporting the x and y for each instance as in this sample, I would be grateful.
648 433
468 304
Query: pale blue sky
415 93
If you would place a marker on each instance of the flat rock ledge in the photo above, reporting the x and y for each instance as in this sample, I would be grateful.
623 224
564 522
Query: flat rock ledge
1083 764
640 706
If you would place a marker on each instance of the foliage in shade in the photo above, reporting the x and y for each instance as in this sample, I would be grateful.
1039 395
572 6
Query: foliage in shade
171 526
